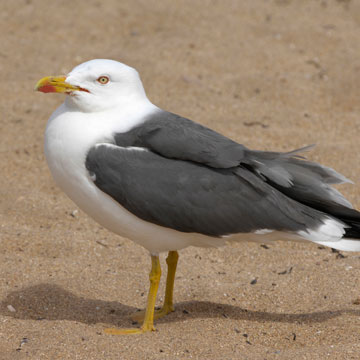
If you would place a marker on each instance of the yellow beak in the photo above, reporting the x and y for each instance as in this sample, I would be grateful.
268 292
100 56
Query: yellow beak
56 84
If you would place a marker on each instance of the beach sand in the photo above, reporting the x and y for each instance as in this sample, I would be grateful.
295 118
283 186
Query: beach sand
272 75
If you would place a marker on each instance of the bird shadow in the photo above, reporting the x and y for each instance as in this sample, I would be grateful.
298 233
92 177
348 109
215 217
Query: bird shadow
52 302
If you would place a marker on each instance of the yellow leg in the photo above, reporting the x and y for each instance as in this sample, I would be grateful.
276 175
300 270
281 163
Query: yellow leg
148 324
168 306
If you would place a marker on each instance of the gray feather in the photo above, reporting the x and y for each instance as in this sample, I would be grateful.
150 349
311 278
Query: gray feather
300 179
174 137
191 197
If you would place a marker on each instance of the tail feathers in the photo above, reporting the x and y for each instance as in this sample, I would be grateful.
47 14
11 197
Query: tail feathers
335 234
350 217
353 232
330 231
341 230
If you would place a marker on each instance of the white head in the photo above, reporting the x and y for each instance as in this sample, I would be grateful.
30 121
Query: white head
97 85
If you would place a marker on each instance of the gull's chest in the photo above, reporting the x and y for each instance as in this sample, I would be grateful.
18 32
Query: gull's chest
68 138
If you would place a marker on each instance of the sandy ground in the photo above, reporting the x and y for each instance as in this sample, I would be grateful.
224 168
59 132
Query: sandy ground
270 74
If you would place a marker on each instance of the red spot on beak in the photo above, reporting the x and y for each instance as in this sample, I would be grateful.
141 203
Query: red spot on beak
47 89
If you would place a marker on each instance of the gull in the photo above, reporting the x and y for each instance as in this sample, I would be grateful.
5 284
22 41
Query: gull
168 183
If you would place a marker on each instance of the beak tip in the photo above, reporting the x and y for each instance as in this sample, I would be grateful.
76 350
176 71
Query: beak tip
39 86
54 84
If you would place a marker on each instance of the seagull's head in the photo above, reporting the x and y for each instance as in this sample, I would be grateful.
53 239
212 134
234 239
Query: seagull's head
96 85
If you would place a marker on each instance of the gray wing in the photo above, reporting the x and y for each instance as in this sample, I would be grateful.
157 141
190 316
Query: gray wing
191 197
175 137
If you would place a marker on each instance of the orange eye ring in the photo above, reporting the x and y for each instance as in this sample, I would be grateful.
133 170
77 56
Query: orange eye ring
103 80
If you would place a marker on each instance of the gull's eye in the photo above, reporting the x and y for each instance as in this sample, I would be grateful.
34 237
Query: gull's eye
103 80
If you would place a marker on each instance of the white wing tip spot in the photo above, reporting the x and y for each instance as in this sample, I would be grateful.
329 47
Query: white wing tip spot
330 230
